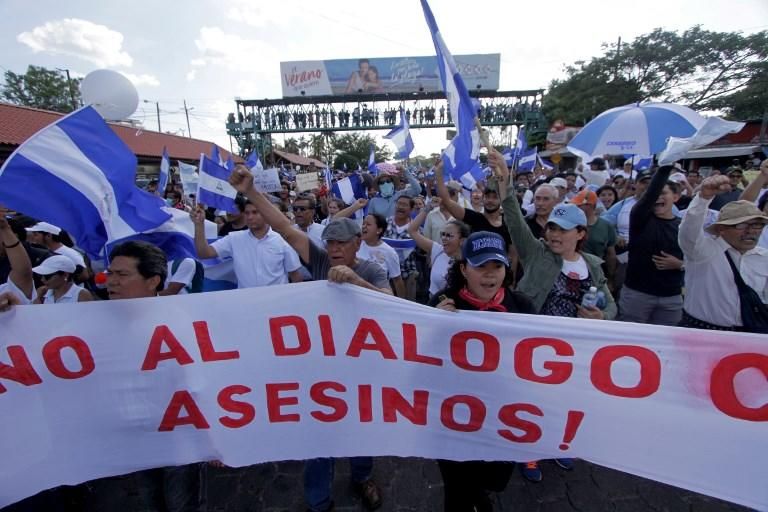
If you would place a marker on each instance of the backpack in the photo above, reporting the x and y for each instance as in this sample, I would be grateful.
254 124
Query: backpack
196 286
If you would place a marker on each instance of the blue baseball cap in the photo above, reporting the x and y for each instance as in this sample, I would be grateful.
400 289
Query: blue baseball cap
567 216
484 246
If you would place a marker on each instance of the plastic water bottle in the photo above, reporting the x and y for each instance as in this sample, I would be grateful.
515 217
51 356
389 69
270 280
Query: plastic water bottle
590 298
602 302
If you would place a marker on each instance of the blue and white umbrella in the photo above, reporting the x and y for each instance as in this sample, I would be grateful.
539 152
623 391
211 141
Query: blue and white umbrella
638 129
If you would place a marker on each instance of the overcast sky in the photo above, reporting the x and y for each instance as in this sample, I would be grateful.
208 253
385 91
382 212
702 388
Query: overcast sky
210 51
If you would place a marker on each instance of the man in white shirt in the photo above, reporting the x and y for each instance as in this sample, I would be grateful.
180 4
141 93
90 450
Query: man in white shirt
712 298
46 235
181 273
304 212
260 256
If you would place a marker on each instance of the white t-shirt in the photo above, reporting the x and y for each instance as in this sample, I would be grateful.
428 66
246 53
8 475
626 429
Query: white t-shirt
184 274
382 254
72 296
314 232
258 262
72 254
10 286
576 269
440 263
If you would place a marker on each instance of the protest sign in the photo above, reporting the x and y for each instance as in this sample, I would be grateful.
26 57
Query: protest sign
306 182
267 180
173 380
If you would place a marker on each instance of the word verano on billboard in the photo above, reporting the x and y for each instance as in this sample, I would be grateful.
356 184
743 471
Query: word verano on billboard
383 75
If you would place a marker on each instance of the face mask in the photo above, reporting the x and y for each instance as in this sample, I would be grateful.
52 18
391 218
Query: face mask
169 201
387 189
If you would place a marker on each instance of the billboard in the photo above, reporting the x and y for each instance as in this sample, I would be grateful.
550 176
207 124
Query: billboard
383 75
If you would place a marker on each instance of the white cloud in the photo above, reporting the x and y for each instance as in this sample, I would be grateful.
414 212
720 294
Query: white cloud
79 38
217 47
191 75
257 15
143 79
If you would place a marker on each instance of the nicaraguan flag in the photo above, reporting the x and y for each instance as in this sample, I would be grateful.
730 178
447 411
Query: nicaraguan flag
214 188
189 178
328 177
165 172
230 164
401 137
253 162
521 144
461 154
216 156
349 189
372 161
470 179
509 156
528 159
176 236
546 164
76 173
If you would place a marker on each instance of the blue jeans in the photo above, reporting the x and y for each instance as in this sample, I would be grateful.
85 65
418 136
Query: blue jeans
318 479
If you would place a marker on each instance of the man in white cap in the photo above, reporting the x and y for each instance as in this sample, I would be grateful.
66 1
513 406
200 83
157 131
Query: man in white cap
47 235
712 299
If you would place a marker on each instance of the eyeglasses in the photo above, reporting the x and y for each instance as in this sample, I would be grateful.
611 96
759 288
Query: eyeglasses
755 226
449 236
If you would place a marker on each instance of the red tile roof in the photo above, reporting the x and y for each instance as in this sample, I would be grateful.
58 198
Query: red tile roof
18 123
298 159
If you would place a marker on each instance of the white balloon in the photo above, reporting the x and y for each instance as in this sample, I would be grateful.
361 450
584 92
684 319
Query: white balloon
110 93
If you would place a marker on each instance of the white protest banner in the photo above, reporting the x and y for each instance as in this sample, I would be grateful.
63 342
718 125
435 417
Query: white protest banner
306 182
103 388
267 180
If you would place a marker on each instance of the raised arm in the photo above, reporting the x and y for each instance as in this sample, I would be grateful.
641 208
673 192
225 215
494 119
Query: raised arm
422 242
452 206
753 190
351 209
242 180
414 187
644 206
21 267
202 247
690 231
522 238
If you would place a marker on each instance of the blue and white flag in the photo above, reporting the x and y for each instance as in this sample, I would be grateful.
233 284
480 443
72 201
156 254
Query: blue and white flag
509 156
78 174
372 161
328 177
462 153
640 162
470 179
546 164
165 172
401 137
521 145
253 162
528 159
349 189
216 156
230 164
214 188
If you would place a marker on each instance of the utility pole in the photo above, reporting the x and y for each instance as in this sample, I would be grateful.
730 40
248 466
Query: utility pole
157 106
618 54
69 86
186 113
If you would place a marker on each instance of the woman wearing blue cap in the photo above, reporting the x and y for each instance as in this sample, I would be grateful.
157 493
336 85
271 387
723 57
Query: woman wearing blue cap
478 281
557 274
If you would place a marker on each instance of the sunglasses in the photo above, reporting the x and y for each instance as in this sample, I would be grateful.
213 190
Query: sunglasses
301 209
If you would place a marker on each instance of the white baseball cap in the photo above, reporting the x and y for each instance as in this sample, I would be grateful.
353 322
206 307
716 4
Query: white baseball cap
53 264
44 227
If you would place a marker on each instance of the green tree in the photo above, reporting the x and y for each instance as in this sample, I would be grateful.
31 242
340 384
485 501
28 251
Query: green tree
41 88
357 146
699 68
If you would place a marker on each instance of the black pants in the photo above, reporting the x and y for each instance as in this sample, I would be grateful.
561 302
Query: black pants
466 484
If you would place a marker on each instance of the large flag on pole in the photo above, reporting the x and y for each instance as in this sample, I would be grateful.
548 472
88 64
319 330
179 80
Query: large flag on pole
528 159
216 156
165 172
78 174
461 154
214 188
521 145
253 161
372 161
401 137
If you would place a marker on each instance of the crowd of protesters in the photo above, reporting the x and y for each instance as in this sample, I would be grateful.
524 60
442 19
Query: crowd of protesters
661 246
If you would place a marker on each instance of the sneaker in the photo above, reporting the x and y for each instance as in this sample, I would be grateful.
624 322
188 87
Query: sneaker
369 492
566 464
532 472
